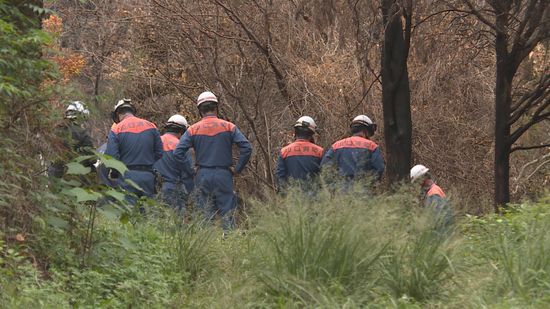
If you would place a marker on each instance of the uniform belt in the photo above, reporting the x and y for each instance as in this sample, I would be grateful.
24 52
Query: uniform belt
215 167
143 168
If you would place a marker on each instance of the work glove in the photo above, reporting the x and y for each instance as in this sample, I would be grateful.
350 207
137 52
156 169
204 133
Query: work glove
113 174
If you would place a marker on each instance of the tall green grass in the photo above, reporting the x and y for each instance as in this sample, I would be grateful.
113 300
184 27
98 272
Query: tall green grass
349 247
513 252
298 251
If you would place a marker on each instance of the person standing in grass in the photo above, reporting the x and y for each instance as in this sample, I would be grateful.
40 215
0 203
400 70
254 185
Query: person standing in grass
212 139
432 196
356 157
136 142
177 179
301 160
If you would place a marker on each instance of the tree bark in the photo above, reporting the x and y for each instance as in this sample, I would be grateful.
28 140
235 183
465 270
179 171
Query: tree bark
503 102
396 92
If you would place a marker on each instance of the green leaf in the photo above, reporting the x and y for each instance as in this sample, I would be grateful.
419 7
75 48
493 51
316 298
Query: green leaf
82 195
71 182
109 162
133 184
119 196
109 212
84 158
74 168
57 222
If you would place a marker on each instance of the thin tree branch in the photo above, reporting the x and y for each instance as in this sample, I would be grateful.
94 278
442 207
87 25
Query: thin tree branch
483 19
425 19
529 147
523 23
531 99
265 49
522 129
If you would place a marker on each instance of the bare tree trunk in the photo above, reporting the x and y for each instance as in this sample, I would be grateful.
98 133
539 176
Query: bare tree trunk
97 81
395 90
502 141
503 103
518 27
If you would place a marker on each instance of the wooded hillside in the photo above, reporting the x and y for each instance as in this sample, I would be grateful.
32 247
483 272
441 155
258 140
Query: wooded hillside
273 61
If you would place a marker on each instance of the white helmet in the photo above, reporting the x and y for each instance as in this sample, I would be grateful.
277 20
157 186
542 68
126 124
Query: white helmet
362 119
306 122
418 171
206 96
120 104
178 120
365 121
124 103
75 109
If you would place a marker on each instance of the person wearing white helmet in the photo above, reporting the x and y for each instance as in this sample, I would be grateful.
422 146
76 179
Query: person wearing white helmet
136 142
431 195
177 179
212 139
301 159
356 156
76 109
75 139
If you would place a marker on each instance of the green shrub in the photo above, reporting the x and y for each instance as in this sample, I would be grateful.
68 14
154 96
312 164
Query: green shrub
325 251
348 247
420 269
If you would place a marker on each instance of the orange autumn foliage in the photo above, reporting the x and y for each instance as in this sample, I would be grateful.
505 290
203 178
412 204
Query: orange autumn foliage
70 64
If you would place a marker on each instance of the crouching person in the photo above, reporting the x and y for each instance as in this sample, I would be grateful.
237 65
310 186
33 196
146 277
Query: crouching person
177 179
432 196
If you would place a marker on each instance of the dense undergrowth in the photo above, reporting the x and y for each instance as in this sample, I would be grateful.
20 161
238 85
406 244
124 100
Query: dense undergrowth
327 251
59 249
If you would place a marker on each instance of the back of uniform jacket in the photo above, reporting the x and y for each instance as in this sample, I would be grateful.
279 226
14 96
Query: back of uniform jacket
213 139
355 156
135 142
170 169
299 160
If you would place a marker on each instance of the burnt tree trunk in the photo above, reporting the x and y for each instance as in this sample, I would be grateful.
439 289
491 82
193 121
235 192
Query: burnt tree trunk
519 25
503 103
395 90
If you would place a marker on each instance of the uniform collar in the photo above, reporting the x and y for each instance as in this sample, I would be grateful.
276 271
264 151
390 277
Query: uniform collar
359 135
209 116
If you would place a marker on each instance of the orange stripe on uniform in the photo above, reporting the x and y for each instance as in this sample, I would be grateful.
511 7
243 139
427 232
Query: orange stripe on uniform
169 142
435 190
355 142
302 149
211 127
133 125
